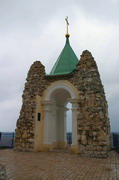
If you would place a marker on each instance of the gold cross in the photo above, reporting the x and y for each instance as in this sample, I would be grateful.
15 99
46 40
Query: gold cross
67 23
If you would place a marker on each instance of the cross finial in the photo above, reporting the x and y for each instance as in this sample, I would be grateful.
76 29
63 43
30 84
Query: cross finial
67 24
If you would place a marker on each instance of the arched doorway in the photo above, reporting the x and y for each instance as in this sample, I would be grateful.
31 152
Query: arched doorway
69 124
56 98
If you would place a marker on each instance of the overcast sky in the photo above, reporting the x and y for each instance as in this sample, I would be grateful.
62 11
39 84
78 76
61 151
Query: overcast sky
33 30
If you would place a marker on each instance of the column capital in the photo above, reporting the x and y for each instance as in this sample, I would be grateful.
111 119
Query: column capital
46 102
62 108
74 103
47 105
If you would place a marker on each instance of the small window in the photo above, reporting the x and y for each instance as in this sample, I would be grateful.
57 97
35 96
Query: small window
39 116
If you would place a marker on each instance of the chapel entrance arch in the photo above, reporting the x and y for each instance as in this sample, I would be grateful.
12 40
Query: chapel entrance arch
56 98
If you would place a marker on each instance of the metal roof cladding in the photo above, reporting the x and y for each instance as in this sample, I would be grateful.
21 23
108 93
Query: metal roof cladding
66 61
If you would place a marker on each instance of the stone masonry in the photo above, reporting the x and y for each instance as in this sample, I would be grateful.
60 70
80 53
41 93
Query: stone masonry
35 85
2 173
93 124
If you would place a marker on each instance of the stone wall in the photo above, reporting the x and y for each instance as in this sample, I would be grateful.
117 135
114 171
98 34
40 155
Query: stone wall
2 173
35 85
93 123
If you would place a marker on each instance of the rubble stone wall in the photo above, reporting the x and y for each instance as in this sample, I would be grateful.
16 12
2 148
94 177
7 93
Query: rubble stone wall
2 173
35 85
93 123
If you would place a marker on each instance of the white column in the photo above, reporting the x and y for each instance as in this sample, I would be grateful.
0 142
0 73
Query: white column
60 123
47 122
74 121
65 115
54 124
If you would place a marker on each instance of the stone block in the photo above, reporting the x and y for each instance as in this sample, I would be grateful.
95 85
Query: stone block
99 148
103 152
24 135
2 173
18 133
101 114
89 153
104 148
30 140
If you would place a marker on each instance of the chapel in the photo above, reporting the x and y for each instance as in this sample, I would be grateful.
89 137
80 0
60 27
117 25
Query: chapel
41 125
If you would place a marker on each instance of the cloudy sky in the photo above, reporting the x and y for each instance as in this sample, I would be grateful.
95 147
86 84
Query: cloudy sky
33 30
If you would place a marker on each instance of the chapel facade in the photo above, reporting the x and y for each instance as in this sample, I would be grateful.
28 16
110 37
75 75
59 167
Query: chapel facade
42 122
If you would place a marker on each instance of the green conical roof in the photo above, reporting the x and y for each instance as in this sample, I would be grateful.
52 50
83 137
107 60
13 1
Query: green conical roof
66 61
